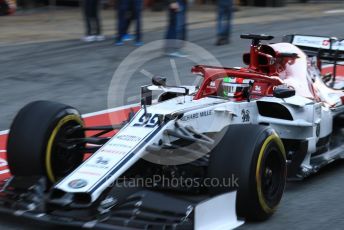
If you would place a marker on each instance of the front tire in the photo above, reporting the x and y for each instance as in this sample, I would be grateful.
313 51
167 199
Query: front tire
255 155
37 144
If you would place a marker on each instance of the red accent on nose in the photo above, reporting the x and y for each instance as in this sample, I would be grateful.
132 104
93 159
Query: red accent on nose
240 80
342 99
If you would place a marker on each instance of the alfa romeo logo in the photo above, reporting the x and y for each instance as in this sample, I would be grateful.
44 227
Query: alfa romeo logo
78 183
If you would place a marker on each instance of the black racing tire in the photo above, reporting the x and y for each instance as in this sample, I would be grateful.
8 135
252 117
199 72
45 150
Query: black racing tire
255 155
34 141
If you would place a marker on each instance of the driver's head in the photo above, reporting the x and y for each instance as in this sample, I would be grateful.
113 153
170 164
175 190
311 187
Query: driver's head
234 87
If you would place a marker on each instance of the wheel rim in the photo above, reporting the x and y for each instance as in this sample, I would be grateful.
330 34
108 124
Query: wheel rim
60 159
273 177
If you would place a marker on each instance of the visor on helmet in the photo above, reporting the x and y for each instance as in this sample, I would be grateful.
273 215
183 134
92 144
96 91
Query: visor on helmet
234 87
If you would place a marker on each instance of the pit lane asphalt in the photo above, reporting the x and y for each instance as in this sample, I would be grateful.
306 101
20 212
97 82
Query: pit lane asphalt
79 74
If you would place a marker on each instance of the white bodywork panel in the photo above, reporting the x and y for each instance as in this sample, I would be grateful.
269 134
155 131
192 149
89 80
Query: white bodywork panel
218 213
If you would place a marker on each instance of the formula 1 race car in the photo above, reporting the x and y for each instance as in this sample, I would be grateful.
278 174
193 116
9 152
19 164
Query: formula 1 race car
274 120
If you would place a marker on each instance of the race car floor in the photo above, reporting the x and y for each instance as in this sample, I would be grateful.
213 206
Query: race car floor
79 74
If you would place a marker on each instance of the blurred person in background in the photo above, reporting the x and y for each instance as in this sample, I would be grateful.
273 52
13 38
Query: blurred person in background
4 8
91 9
128 11
176 29
224 16
7 7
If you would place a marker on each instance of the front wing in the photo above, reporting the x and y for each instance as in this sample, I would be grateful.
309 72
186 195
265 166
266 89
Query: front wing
125 209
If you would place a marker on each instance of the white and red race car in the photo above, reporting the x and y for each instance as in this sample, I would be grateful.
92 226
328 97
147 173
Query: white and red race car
275 119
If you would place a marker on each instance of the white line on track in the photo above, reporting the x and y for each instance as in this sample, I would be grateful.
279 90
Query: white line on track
109 110
147 73
134 98
175 71
331 65
334 11
3 162
4 132
4 171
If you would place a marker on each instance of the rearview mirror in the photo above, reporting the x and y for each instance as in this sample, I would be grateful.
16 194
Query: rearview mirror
159 81
283 91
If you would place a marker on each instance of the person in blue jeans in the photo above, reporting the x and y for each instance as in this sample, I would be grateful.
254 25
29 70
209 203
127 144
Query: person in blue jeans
127 11
91 10
176 30
224 16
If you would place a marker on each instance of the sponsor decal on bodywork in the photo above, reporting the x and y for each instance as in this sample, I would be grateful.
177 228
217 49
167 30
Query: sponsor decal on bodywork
245 115
197 115
130 138
104 163
78 183
317 42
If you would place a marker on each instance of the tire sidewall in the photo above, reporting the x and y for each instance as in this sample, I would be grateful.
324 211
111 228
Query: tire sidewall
266 142
65 116
238 153
29 134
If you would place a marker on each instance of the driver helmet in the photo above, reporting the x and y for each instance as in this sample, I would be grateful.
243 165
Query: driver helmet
234 87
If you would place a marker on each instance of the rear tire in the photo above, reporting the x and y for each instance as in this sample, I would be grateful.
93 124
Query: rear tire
34 146
255 155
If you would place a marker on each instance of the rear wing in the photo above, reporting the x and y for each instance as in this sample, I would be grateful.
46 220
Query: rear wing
326 48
